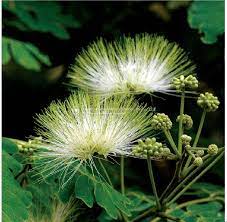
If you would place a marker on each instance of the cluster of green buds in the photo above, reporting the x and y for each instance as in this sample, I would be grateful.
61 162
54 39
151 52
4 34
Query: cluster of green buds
181 83
186 120
199 153
196 155
208 102
161 121
198 161
25 149
186 139
212 149
150 147
28 147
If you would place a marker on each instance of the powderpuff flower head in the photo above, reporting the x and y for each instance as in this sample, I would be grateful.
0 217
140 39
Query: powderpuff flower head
83 126
144 64
60 212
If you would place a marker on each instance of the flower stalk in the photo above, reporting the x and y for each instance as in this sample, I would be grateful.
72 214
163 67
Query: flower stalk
196 139
122 176
151 175
180 132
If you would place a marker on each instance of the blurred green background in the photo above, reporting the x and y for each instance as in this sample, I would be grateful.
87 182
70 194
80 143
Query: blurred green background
41 40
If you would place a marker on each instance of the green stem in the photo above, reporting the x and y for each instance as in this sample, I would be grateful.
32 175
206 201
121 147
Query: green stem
122 176
198 148
151 175
196 138
180 132
199 129
171 182
171 141
144 214
164 215
105 172
196 178
192 166
177 188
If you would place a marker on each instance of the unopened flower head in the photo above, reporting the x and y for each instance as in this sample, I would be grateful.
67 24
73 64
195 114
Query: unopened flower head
182 83
150 147
198 161
144 64
208 102
212 149
186 120
83 125
161 121
59 212
186 139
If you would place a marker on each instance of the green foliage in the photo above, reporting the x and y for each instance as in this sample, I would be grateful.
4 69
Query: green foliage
139 202
43 193
90 189
208 18
41 17
24 54
208 212
15 200
207 188
84 189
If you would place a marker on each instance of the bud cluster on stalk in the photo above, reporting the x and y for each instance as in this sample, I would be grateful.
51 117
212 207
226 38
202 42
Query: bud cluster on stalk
150 147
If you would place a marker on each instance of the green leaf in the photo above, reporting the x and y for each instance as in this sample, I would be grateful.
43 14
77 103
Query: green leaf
208 210
9 146
90 188
139 202
23 57
5 51
206 189
15 200
35 51
104 199
42 17
84 189
208 18
67 191
25 54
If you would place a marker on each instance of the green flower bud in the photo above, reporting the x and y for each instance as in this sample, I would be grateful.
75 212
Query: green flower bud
26 149
199 153
186 120
140 142
208 101
161 121
149 146
187 146
186 139
20 147
148 141
212 149
156 153
198 161
191 82
181 83
166 151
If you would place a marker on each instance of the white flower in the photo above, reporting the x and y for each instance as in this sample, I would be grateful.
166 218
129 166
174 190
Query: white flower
146 63
83 126
60 212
